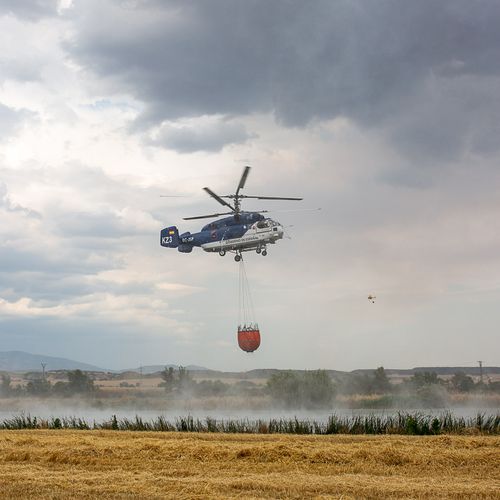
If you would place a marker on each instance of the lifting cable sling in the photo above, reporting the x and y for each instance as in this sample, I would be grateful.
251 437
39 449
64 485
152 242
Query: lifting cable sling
248 329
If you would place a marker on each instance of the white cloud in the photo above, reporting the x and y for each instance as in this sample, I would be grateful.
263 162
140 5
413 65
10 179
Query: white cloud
80 206
27 307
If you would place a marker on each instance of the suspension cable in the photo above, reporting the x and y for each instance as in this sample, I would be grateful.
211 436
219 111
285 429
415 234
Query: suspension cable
246 311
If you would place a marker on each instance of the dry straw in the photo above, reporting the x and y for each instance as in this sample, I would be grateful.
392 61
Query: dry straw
106 464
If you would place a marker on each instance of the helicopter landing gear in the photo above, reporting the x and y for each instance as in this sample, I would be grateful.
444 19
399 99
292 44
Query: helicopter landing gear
237 257
262 250
222 253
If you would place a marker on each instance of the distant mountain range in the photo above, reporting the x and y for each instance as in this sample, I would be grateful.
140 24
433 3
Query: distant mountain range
19 361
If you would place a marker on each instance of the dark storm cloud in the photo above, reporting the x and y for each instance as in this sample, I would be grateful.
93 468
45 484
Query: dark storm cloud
211 138
94 225
29 9
70 261
384 64
69 285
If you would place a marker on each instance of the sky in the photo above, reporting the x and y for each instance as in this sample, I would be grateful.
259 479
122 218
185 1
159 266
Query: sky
386 115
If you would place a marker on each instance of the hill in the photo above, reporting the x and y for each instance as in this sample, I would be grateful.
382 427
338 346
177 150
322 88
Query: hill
149 369
439 370
23 362
19 361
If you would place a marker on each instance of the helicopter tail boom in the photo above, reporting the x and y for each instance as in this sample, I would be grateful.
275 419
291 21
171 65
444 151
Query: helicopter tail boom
169 237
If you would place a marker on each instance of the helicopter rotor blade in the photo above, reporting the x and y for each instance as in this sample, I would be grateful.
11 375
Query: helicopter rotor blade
218 198
243 179
270 198
295 210
211 216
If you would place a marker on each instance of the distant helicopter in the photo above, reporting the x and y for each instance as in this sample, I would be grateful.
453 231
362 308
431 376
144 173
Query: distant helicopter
241 232
372 298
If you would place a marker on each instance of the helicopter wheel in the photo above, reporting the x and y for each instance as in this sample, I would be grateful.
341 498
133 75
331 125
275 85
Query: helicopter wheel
264 253
237 258
222 253
258 250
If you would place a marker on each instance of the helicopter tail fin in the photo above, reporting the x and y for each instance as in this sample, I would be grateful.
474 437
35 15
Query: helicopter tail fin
169 237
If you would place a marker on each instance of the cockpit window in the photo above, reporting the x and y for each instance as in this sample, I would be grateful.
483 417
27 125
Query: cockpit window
262 224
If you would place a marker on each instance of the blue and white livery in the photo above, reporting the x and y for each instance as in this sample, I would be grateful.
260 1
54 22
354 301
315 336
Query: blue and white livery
241 232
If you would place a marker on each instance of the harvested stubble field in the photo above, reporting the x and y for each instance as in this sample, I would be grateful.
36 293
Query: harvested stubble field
108 464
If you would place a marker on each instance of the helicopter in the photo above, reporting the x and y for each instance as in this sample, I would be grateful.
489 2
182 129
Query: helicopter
241 232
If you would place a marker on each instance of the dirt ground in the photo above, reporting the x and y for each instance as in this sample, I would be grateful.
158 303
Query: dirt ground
111 464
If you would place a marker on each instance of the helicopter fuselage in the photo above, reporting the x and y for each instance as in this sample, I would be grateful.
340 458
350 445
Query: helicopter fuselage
239 233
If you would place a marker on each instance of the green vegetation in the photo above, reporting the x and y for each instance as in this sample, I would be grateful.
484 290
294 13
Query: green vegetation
79 383
423 389
5 387
462 383
401 423
274 388
178 381
308 389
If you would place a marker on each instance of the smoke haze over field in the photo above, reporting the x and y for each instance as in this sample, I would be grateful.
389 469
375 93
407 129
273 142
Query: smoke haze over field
384 114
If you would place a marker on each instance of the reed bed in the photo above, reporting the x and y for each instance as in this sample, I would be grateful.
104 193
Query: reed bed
400 423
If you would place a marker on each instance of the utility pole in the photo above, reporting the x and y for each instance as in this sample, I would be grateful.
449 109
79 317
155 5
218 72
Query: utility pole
43 370
481 371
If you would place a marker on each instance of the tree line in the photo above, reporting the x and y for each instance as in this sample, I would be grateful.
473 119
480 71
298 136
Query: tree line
313 389
79 383
308 389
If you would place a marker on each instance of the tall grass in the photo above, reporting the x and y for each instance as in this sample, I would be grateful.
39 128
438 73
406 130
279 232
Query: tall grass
401 423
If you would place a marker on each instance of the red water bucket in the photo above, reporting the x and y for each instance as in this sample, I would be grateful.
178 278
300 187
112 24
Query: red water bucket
249 339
